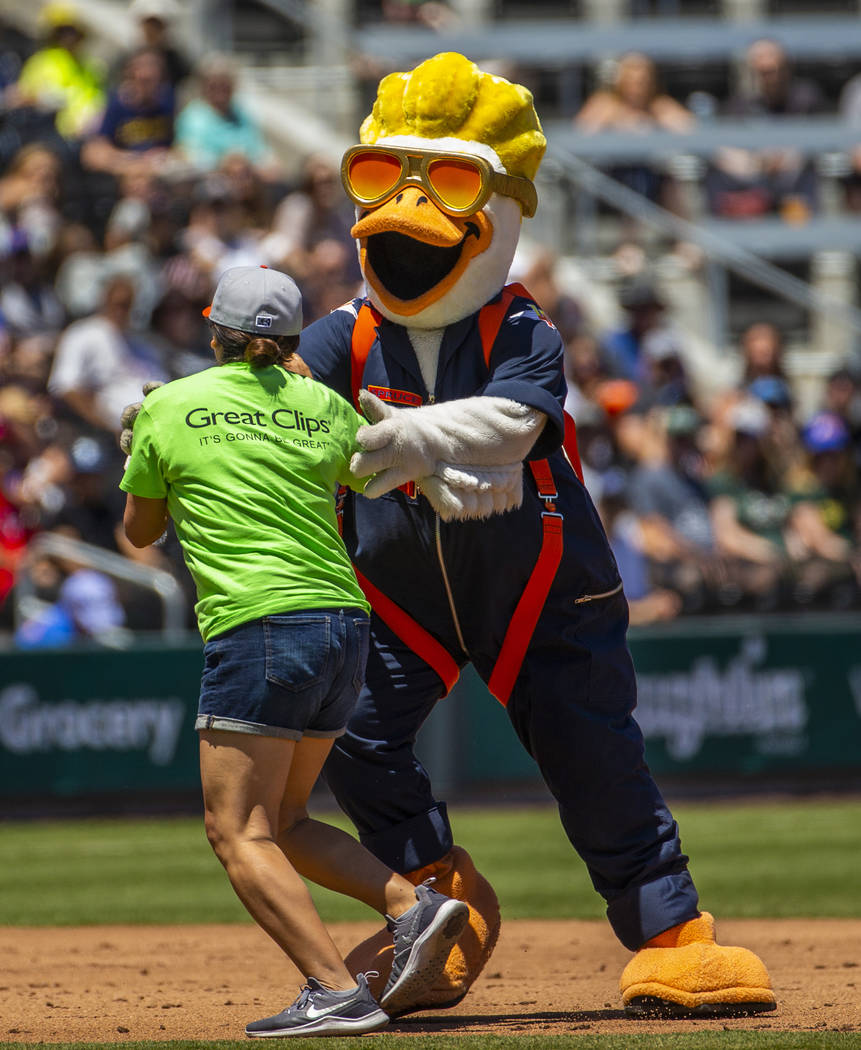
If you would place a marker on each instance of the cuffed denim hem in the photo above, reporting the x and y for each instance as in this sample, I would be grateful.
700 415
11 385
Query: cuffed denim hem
326 734
236 725
413 843
645 911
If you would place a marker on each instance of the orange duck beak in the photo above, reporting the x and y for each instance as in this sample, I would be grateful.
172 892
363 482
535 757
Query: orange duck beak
412 253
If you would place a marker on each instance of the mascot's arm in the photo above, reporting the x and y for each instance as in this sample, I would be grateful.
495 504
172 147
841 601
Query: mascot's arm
467 454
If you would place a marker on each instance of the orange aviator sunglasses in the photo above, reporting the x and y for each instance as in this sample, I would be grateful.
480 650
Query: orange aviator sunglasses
458 183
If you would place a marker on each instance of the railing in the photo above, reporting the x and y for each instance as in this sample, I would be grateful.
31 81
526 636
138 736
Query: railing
565 42
722 253
811 137
167 589
561 43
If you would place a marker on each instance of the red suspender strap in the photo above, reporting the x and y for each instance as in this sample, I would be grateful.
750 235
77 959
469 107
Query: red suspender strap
522 625
411 633
569 446
364 334
491 317
489 322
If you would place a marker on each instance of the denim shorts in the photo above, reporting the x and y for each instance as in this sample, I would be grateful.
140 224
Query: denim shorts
292 675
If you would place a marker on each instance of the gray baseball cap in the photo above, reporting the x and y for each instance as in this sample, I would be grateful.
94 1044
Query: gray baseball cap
257 300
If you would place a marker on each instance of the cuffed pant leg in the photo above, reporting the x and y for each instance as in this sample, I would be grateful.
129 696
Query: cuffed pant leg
571 708
373 771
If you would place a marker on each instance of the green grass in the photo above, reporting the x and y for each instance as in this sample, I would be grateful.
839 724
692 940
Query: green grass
776 858
729 1040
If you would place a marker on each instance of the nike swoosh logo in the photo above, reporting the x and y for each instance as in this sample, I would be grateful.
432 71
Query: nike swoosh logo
312 1013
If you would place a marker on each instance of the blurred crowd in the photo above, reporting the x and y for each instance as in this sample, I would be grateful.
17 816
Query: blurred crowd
714 500
738 183
127 189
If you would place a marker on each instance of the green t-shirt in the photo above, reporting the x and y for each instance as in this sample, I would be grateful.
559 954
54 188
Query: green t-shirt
249 461
765 513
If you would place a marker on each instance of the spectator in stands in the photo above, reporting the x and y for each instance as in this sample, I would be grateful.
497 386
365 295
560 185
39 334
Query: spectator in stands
646 602
827 512
218 235
850 110
825 523
30 196
842 397
38 486
27 299
430 13
155 20
761 352
211 127
634 103
627 350
311 236
747 184
256 196
665 491
92 507
59 78
537 268
86 609
665 381
80 270
668 484
137 128
22 411
782 436
22 414
100 365
15 45
180 334
762 379
585 370
749 506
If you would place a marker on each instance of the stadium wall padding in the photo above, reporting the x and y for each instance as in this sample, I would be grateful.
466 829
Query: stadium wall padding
719 697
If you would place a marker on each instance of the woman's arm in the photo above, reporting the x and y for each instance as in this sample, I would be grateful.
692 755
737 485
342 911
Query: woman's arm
144 519
734 539
598 112
807 524
671 115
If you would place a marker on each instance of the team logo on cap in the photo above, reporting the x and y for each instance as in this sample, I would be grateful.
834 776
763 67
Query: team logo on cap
264 321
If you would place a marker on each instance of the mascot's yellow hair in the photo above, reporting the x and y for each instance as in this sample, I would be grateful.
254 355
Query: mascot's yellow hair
448 95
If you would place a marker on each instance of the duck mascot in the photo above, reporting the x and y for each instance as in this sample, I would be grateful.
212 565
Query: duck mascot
476 542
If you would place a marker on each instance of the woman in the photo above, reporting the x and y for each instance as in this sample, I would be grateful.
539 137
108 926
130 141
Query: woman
634 103
245 459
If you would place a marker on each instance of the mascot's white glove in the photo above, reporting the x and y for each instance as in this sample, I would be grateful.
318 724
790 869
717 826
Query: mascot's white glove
466 455
458 493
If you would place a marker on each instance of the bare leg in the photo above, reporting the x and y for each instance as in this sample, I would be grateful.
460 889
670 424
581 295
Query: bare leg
328 856
245 783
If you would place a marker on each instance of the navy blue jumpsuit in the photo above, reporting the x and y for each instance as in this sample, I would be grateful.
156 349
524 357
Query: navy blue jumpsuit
571 703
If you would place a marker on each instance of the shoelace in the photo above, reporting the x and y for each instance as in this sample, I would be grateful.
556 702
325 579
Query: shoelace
306 994
309 993
391 924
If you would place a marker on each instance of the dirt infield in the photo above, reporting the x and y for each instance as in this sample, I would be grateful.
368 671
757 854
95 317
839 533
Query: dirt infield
117 983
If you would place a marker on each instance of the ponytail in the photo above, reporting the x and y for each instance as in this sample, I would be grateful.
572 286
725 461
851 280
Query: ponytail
258 351
261 352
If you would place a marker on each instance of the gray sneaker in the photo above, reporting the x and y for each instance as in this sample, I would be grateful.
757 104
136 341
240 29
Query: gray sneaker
319 1011
424 937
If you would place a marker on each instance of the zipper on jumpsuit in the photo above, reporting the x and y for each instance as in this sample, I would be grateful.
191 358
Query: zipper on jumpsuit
448 591
437 534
